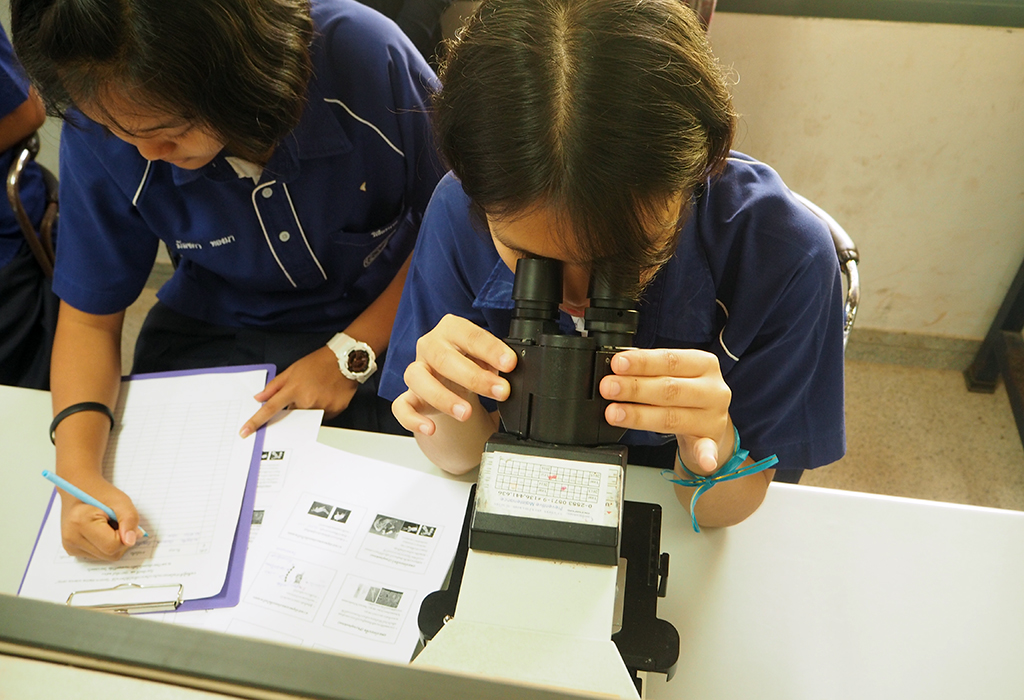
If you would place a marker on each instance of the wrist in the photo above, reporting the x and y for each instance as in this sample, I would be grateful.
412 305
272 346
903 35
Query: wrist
732 469
705 457
356 359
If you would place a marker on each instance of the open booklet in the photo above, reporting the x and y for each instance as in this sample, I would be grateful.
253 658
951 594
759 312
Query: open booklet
176 452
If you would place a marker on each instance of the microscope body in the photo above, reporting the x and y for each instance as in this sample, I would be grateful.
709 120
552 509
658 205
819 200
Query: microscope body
545 533
551 483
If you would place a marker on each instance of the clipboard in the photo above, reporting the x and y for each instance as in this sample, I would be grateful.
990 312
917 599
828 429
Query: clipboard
134 597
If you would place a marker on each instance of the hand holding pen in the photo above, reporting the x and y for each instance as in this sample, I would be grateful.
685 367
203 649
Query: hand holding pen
79 529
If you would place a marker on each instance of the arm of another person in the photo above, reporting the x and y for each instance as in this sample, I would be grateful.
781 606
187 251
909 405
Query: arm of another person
24 120
316 381
86 366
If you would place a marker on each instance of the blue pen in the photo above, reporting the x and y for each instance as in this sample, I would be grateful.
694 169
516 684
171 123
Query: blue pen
83 496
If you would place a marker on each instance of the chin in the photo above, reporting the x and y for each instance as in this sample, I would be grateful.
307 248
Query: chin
191 163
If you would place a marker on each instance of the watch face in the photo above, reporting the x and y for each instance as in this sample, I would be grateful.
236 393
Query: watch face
358 361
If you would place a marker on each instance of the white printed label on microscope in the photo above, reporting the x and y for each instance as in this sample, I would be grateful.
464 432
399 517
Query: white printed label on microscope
546 488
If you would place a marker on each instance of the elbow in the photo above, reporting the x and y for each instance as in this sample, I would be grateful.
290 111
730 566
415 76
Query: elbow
731 502
457 469
37 116
446 460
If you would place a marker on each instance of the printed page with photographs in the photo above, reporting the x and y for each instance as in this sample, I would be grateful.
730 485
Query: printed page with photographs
345 556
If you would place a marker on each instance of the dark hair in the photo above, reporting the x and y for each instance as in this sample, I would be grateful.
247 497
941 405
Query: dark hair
599 108
238 67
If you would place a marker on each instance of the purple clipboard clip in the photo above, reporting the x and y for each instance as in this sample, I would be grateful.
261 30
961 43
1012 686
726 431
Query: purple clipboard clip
231 592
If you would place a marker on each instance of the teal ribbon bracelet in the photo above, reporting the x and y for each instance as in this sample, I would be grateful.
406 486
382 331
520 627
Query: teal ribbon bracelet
727 472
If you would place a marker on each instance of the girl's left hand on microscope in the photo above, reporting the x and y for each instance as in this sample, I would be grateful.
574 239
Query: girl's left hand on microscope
673 391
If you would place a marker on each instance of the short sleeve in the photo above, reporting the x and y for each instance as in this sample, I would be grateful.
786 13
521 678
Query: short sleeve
105 250
780 344
450 264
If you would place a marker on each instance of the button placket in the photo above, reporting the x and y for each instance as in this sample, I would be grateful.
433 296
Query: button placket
284 235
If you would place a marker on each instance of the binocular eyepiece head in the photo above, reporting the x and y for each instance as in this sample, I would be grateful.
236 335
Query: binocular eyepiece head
554 394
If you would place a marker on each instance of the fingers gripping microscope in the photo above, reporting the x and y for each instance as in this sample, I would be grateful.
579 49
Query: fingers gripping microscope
557 578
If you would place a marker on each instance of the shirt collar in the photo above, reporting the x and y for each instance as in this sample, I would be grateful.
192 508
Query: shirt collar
317 135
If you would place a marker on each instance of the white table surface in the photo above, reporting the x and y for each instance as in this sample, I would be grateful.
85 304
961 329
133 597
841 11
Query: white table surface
819 594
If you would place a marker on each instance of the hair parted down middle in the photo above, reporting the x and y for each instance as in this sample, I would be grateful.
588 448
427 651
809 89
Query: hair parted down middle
600 109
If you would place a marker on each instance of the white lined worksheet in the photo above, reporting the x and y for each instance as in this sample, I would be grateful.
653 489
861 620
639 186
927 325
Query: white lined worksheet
175 451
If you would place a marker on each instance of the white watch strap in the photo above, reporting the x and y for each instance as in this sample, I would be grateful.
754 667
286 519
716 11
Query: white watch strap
341 345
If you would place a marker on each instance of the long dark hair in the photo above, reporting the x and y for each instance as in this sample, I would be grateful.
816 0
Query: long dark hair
238 67
599 108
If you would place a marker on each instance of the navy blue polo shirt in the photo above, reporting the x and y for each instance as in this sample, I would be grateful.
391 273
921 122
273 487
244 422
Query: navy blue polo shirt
309 246
754 280
13 93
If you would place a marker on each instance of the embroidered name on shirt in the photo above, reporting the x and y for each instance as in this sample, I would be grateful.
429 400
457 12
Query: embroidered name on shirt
222 241
187 245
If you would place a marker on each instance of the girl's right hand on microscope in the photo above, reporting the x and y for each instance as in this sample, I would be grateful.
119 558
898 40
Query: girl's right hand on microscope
455 362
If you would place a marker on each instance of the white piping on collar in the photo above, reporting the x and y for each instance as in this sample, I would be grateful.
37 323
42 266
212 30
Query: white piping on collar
380 133
138 191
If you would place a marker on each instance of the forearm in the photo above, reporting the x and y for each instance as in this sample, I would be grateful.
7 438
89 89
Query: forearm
456 446
85 366
25 119
373 325
728 502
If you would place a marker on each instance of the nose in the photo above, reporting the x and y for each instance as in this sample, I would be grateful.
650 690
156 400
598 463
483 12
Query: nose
575 284
154 149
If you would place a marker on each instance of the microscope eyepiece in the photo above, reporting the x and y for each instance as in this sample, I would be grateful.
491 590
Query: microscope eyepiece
554 396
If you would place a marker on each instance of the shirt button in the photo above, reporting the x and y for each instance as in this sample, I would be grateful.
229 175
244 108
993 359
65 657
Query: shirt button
267 193
284 236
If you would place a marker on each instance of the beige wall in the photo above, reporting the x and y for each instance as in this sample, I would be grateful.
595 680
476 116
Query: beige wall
911 136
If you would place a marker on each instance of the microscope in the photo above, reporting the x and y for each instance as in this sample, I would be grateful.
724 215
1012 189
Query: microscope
557 578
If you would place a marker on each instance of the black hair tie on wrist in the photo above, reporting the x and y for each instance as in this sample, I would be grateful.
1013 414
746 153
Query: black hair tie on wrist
76 408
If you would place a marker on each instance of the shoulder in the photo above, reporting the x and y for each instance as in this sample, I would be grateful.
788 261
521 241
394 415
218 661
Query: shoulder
749 207
89 152
759 240
353 36
450 199
449 229
363 57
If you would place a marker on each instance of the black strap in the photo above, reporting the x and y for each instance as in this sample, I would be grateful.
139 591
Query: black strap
75 408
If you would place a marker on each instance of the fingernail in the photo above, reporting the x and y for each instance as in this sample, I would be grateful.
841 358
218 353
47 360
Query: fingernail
500 391
508 362
129 538
611 389
617 415
460 411
621 363
424 428
244 432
